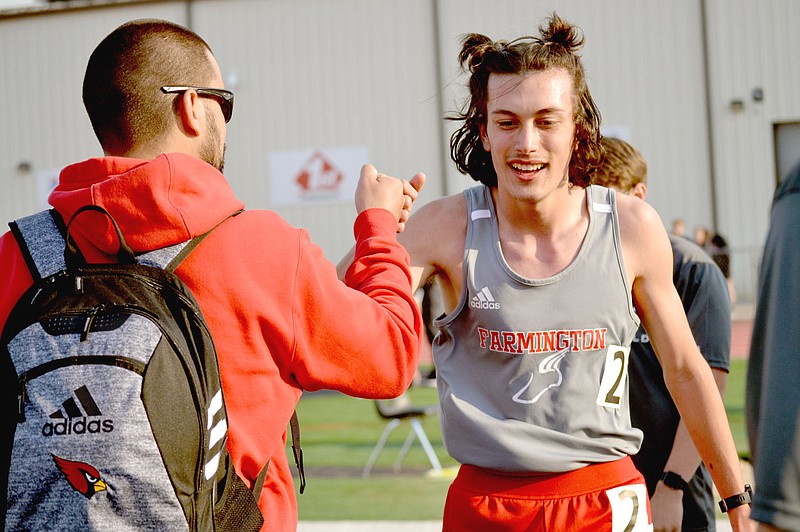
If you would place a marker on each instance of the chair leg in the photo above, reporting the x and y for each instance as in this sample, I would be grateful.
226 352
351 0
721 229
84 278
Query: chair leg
379 446
426 444
404 449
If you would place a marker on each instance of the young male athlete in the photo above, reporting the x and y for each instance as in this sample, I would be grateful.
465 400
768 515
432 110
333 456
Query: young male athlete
679 485
544 279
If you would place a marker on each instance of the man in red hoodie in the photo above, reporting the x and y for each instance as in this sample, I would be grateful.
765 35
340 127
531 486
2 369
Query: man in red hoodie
281 320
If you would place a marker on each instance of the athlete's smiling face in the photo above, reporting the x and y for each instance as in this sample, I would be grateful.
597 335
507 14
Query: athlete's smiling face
530 131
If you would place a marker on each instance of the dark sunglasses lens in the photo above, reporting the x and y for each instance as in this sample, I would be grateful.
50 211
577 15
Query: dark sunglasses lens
227 108
225 100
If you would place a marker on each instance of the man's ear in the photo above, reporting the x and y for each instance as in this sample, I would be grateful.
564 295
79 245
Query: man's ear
639 190
485 138
190 113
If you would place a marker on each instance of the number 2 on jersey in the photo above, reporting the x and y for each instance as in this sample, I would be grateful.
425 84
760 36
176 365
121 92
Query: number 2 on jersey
615 374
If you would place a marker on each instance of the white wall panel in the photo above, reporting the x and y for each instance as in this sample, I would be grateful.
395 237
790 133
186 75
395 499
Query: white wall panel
753 44
380 73
318 74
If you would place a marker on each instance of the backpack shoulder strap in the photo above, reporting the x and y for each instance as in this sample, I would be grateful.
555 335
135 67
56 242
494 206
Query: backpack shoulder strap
188 247
41 239
294 424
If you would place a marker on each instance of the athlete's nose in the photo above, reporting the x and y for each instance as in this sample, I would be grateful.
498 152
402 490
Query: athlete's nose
528 138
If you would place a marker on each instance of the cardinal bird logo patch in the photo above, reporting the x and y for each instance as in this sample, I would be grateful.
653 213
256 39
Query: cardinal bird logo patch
83 477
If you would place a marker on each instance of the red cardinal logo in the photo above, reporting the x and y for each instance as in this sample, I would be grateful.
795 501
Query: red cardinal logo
81 476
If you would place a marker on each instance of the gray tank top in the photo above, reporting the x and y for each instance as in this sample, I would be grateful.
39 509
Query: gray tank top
533 372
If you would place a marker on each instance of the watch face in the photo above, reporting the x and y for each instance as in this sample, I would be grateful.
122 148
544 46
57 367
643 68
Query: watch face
734 501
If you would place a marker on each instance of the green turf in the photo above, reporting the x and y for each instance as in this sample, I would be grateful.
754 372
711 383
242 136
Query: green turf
339 432
734 405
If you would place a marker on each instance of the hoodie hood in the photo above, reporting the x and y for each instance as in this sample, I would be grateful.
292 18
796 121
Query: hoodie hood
156 203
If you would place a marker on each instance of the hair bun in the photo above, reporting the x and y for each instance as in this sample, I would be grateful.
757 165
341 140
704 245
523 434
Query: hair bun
560 33
474 47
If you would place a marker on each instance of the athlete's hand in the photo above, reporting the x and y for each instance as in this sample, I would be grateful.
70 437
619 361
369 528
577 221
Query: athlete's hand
667 507
410 192
740 519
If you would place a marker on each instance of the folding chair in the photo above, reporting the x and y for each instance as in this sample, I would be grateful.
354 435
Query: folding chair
396 411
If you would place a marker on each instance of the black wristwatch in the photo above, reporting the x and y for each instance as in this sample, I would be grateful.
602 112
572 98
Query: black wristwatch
674 481
734 501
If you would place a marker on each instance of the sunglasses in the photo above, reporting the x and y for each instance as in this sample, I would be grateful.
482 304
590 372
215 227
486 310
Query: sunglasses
225 98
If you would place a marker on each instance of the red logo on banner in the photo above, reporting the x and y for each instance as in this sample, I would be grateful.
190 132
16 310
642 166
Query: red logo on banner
319 175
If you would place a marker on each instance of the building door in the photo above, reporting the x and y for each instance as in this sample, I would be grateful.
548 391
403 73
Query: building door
787 148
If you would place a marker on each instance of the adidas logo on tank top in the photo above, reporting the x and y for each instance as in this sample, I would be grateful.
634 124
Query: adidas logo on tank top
485 300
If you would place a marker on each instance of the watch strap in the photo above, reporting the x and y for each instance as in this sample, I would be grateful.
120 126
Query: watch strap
674 481
734 501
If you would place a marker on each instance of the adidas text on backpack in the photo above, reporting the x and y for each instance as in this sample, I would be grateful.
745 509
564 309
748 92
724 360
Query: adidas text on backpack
113 411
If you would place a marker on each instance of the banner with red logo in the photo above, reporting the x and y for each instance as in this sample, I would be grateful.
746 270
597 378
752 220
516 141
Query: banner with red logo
313 176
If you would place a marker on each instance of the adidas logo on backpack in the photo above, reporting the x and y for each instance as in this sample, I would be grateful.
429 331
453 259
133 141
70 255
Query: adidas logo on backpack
113 411
69 419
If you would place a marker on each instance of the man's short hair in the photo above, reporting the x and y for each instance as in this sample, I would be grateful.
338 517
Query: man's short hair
123 80
622 166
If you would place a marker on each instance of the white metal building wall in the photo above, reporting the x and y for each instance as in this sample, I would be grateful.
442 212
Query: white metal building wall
316 73
380 73
753 45
308 74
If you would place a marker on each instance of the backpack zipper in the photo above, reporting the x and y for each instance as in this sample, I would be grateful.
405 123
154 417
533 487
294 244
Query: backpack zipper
90 319
130 364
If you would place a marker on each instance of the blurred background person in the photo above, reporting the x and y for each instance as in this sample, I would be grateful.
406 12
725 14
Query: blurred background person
679 485
701 236
771 400
678 227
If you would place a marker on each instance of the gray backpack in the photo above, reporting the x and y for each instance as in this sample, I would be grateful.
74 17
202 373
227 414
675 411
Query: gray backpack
113 415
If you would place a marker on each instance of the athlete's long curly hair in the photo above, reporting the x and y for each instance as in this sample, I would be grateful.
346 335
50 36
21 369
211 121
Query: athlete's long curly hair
556 47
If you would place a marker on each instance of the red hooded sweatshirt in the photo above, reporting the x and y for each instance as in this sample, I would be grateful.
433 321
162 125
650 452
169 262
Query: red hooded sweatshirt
281 320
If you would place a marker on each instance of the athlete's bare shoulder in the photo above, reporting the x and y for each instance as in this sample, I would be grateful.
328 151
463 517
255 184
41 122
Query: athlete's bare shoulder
642 233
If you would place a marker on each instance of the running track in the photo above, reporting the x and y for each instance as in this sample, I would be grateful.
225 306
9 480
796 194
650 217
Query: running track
741 330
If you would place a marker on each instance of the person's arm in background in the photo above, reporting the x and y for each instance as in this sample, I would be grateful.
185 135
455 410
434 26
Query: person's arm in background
667 503
703 291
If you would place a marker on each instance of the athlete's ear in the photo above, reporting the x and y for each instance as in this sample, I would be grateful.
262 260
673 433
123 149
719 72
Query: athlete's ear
485 138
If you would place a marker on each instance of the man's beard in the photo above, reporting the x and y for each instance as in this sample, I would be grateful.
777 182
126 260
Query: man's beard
210 151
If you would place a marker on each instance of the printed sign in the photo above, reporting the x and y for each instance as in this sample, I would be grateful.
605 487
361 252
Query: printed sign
312 176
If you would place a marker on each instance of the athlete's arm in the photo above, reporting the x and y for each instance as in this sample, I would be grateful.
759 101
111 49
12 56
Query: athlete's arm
648 258
704 294
434 237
